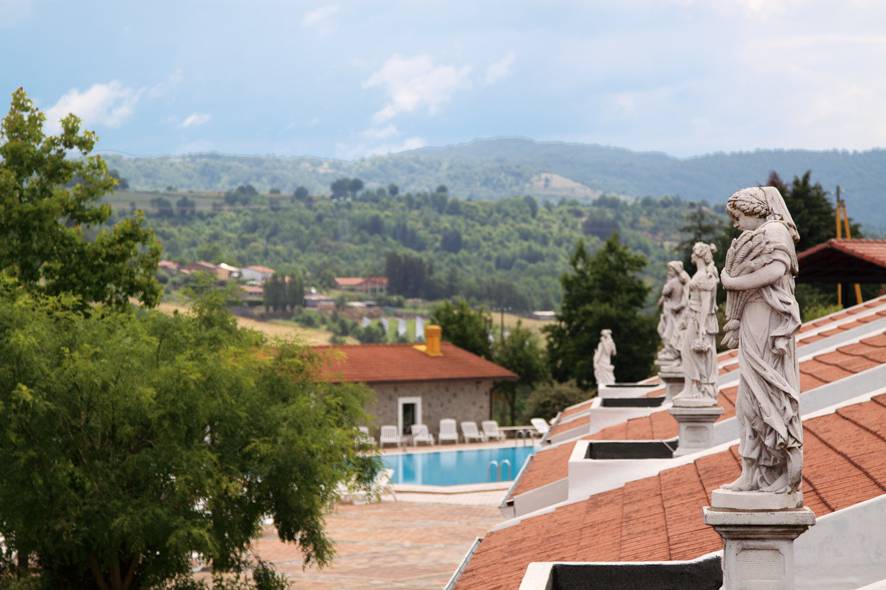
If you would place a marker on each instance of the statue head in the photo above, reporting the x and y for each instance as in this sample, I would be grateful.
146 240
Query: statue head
675 269
750 207
703 255
606 334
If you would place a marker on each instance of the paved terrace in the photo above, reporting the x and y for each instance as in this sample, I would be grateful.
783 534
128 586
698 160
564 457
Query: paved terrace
398 545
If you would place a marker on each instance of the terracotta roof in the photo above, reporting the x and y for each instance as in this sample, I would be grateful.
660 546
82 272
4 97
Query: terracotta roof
659 518
387 363
860 260
820 370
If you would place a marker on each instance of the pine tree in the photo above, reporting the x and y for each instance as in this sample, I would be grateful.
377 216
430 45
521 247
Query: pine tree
603 291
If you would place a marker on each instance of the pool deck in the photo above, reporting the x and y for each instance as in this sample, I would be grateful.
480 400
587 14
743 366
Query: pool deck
406 545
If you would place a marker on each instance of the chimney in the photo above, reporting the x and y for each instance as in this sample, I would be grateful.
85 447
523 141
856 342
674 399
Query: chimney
433 335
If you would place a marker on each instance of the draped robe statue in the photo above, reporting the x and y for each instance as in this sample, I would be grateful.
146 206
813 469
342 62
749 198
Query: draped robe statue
762 319
604 371
673 300
699 341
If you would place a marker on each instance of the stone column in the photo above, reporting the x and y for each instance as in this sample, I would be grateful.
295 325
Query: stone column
758 530
696 427
672 377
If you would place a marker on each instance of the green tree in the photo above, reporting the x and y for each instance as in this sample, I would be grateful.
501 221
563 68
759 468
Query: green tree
522 352
702 225
464 326
54 235
602 291
548 399
811 209
133 440
300 193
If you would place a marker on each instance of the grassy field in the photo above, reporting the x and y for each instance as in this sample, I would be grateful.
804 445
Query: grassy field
273 329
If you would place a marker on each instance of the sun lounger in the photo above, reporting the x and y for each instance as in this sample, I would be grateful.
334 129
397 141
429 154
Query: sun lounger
364 436
469 432
490 429
448 433
541 425
389 436
420 435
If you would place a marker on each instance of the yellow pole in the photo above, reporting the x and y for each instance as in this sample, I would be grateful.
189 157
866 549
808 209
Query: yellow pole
837 215
848 231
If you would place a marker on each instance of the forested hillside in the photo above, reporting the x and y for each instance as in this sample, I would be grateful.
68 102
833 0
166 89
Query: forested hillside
507 253
500 168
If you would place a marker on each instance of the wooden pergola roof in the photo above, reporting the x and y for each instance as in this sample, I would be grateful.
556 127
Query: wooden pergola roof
844 261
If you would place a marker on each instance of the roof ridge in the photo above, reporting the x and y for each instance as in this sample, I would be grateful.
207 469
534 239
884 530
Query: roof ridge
664 512
848 459
840 412
808 483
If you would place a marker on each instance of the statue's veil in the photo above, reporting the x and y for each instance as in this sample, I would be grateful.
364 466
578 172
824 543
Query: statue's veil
777 207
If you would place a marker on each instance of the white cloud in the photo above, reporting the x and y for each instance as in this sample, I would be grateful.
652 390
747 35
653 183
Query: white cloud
195 119
363 149
500 69
379 133
321 19
416 83
108 104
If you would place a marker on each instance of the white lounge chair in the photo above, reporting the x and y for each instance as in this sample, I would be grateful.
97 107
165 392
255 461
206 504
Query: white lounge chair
420 435
389 436
490 429
469 432
448 433
364 436
541 425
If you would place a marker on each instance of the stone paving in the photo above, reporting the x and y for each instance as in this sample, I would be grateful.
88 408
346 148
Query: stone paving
412 544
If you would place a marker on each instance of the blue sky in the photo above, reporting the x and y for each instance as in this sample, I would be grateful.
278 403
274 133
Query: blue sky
353 78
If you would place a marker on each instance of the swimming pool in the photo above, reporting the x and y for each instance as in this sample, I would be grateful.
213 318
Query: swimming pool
449 468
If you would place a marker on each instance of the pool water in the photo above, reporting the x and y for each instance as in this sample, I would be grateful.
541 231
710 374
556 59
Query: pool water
449 468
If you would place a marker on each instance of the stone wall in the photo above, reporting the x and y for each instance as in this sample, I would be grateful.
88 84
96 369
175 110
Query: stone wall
459 400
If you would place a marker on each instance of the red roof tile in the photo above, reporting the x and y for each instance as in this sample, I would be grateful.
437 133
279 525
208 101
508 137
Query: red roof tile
387 363
660 517
820 370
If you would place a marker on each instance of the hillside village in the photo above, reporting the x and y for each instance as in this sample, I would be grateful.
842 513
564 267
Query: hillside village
443 296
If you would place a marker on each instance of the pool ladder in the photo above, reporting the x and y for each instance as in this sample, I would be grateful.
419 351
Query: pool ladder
496 468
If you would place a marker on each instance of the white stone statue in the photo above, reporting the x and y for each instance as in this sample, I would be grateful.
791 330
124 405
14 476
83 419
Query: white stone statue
762 319
604 371
673 300
699 341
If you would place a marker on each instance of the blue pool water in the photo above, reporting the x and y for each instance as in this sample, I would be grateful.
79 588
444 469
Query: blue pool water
449 468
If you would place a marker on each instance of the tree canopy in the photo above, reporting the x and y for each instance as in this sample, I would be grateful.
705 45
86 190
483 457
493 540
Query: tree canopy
522 351
464 326
53 225
603 291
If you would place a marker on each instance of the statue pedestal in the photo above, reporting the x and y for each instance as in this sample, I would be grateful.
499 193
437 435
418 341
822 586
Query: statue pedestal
672 377
759 541
696 419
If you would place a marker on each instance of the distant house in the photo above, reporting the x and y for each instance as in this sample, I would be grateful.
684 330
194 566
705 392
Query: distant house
374 285
317 301
227 272
252 294
169 265
200 266
544 315
417 384
257 273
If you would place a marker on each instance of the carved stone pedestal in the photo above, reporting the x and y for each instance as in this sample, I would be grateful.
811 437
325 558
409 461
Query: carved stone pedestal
672 377
696 426
759 551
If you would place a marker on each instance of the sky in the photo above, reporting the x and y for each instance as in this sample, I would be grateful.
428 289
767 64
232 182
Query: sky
349 79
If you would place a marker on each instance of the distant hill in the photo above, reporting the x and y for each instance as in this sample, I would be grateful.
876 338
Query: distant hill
497 168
